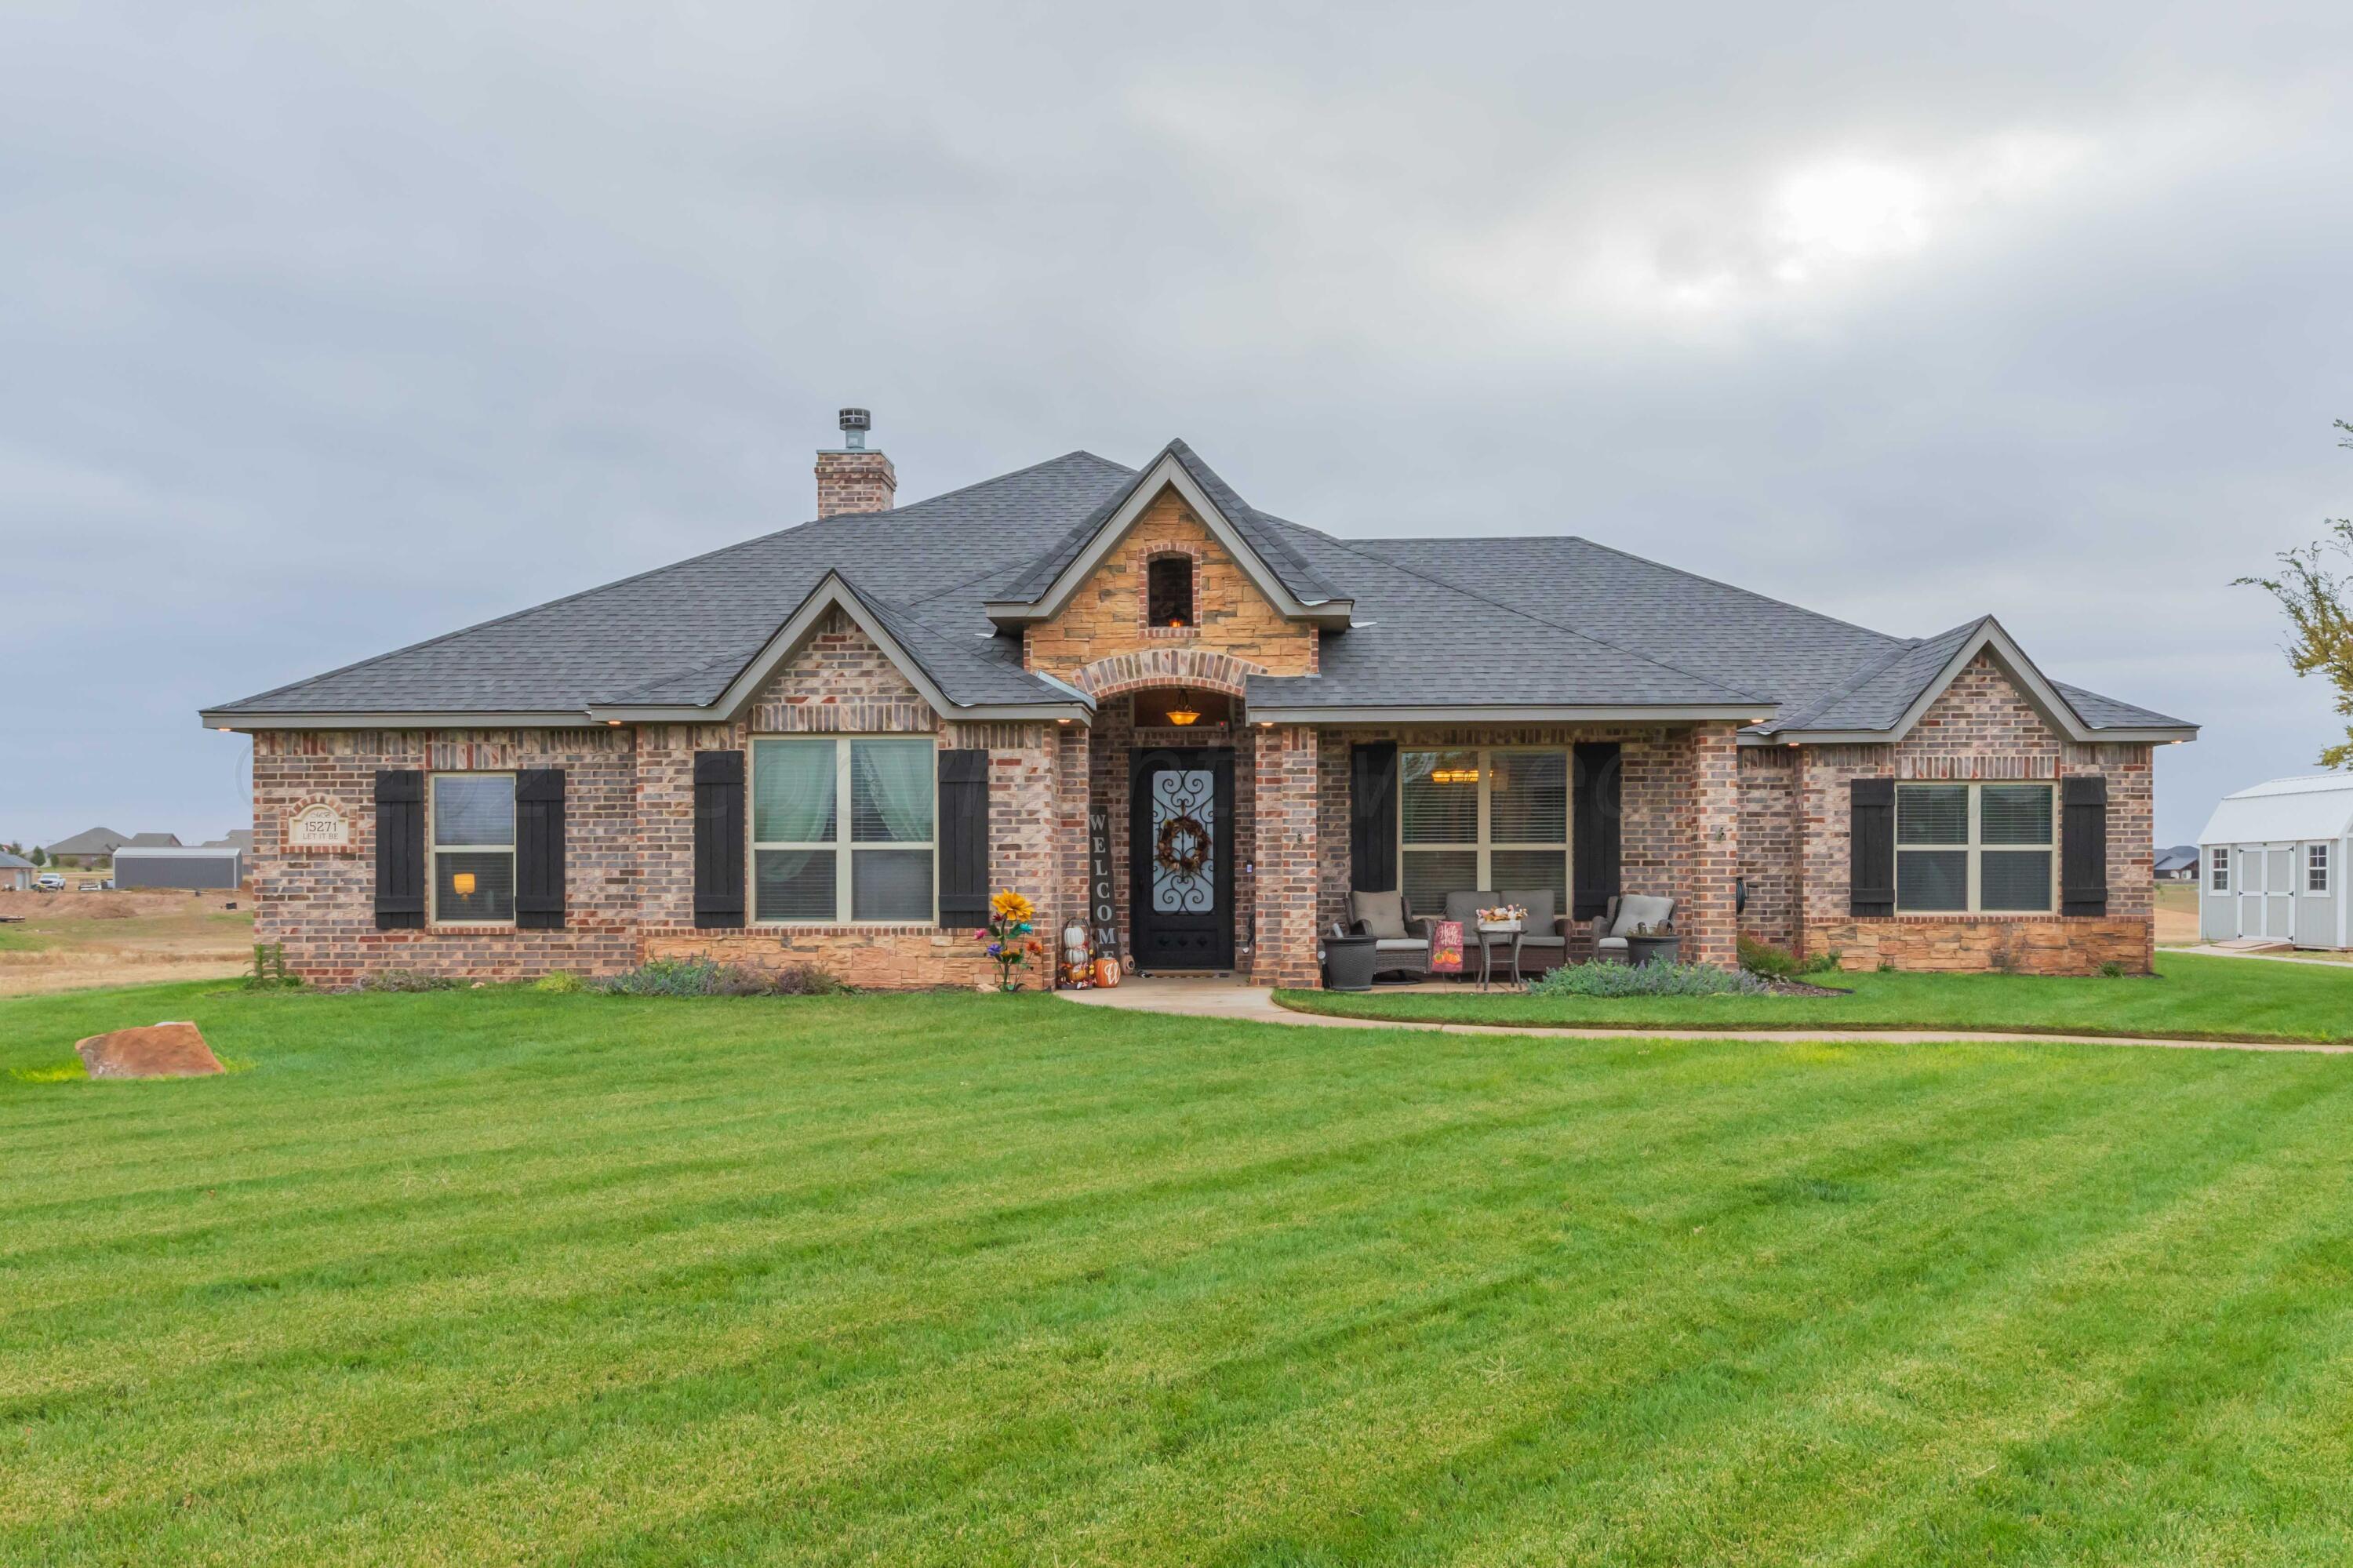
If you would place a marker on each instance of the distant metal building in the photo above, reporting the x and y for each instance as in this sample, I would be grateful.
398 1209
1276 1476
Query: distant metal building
2274 862
178 867
17 873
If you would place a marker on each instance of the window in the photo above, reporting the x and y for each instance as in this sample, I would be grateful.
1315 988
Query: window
2316 868
814 864
2218 871
473 849
1168 591
1476 818
1974 848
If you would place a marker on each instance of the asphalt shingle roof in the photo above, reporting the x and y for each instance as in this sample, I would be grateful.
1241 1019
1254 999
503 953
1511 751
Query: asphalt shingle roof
1521 620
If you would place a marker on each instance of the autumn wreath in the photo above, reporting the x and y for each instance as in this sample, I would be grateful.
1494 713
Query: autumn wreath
1184 847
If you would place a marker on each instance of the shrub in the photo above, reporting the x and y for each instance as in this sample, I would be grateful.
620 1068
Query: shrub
1765 959
2112 969
562 982
1647 980
708 977
407 981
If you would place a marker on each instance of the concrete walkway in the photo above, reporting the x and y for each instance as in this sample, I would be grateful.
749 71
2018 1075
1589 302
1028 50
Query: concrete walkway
2281 955
1226 999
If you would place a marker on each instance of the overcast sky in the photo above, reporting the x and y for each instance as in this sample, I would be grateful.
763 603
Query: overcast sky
326 328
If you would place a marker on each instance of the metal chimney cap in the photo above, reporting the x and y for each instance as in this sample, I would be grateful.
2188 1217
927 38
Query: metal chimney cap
857 419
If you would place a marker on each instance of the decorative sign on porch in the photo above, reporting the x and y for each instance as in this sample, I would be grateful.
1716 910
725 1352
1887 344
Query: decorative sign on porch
319 825
1101 913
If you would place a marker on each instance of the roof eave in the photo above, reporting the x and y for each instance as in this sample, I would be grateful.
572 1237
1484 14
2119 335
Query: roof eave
214 718
2144 735
1502 712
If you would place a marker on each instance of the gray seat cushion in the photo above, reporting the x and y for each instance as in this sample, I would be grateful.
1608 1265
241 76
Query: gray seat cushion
1465 907
1541 905
1402 945
1641 910
1611 945
1383 914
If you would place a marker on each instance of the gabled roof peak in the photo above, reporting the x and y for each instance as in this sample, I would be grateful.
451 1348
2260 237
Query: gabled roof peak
1254 540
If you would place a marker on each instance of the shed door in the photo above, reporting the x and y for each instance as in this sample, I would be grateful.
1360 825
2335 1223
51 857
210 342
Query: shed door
2279 892
2251 890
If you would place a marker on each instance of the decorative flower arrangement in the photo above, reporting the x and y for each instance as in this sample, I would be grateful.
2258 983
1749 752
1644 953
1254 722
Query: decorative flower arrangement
1009 943
1503 915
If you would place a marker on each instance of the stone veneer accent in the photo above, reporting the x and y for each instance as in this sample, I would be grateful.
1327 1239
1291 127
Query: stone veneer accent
1981 727
1105 617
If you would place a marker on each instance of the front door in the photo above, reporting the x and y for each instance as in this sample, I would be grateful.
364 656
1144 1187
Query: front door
1181 881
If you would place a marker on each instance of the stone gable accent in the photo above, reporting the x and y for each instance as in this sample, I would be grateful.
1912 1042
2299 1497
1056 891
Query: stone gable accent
1106 616
839 683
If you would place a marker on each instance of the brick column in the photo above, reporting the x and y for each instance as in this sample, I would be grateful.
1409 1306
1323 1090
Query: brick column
1284 853
1074 791
1709 918
665 820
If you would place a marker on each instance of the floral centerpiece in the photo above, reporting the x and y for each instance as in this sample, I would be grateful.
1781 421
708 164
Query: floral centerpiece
1009 943
1503 916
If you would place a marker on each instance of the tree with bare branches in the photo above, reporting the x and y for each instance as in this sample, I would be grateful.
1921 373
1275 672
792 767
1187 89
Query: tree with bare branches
2318 603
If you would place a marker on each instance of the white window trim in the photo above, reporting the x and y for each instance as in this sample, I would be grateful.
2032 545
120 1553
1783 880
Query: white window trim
842 845
1976 846
436 849
2218 871
1486 847
2326 867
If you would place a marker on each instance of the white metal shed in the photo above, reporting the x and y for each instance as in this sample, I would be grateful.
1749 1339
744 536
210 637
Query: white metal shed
2272 863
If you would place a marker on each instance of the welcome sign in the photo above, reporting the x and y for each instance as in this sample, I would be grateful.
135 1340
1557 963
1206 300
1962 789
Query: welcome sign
1099 889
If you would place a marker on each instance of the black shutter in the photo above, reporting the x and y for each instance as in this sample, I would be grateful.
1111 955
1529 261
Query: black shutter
2084 845
1595 837
539 850
399 849
964 839
718 839
1870 846
1373 817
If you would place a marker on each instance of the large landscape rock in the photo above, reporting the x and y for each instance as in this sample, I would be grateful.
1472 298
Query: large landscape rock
157 1051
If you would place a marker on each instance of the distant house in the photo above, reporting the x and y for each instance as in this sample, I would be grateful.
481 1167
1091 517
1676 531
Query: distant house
87 847
2275 860
153 840
236 839
2178 864
17 874
175 866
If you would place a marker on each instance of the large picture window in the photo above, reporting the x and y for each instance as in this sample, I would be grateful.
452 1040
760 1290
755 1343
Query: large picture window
841 830
1481 818
473 849
1974 848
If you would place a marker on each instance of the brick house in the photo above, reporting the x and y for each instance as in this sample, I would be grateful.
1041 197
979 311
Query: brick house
1149 705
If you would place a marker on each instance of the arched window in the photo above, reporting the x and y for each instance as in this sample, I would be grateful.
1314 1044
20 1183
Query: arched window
1168 591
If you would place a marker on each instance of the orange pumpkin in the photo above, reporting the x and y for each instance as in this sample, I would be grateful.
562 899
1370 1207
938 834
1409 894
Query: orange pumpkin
1106 971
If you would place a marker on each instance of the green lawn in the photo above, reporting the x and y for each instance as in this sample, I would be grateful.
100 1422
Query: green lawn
2197 998
489 1276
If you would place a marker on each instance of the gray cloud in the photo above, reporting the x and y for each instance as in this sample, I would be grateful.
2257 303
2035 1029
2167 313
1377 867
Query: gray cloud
328 329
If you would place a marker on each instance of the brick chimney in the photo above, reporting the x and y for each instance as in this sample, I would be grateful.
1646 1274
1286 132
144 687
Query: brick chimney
848 477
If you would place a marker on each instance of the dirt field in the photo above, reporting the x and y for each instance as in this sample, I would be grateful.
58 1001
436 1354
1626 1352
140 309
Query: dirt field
66 940
2177 913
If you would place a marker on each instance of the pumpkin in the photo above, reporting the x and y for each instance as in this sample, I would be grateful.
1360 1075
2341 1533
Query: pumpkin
1106 971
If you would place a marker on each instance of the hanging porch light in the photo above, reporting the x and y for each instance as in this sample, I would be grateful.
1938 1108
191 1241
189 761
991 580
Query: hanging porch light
1182 710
